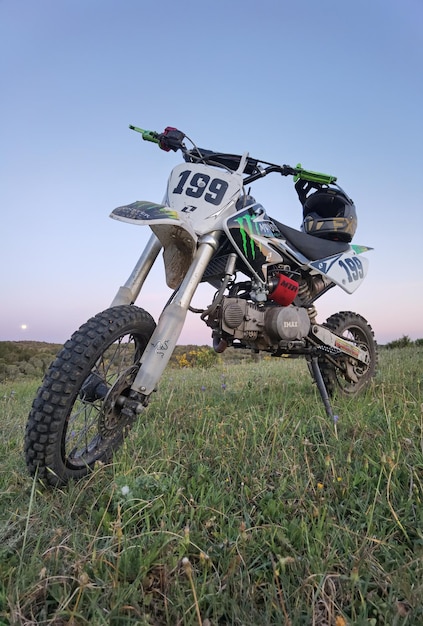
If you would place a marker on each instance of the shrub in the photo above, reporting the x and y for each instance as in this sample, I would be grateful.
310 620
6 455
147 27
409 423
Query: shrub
203 357
404 342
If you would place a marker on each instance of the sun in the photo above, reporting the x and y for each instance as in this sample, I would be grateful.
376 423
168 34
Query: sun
24 326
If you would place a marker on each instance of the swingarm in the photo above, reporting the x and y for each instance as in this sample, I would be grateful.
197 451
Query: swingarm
338 344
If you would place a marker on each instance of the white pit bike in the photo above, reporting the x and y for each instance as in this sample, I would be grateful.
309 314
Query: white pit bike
210 230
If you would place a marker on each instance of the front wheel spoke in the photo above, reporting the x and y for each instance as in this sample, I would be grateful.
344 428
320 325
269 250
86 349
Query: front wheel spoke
117 356
82 427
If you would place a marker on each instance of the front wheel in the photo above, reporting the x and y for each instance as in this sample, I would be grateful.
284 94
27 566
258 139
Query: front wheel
343 374
76 418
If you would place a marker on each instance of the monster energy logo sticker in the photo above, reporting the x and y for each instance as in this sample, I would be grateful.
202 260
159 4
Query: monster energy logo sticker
247 226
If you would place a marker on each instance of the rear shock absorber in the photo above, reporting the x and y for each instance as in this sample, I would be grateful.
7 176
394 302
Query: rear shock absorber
304 296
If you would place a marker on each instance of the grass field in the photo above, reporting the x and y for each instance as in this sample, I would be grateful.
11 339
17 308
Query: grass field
235 500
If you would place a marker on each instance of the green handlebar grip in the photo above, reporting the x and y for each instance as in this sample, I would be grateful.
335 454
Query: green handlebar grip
147 135
313 177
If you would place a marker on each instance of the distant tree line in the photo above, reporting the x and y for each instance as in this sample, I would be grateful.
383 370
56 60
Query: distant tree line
403 342
25 358
32 358
19 359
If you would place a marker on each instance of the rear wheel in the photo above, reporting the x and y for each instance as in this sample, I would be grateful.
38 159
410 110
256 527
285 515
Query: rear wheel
76 418
349 376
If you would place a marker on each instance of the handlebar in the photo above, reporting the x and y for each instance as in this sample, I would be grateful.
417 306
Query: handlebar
172 139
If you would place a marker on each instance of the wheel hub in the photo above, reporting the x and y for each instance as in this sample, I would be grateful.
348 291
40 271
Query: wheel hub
111 418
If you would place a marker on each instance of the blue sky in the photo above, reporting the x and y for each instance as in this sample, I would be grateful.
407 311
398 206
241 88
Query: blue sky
337 86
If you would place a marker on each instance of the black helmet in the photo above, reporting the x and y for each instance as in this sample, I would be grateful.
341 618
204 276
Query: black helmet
329 213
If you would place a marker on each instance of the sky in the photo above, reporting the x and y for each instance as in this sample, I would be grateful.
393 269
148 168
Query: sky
337 86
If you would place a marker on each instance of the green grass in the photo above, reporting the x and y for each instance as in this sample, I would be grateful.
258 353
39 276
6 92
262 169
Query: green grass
234 500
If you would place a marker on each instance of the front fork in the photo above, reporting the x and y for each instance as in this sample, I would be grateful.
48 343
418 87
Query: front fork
163 341
128 293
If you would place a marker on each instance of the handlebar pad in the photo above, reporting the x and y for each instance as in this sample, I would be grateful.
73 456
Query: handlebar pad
229 161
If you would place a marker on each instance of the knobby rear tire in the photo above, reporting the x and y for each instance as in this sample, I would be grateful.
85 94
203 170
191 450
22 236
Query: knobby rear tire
76 417
350 377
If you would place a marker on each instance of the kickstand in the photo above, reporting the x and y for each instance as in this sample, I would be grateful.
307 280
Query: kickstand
313 365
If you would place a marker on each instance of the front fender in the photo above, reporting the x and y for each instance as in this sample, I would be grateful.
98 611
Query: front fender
176 235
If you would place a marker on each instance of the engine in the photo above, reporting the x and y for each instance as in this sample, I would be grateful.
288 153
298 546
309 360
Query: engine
263 327
275 316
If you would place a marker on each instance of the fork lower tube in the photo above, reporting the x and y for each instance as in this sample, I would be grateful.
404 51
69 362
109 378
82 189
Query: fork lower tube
163 341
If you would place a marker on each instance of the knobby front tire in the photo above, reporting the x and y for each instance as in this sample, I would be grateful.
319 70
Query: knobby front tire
76 418
349 377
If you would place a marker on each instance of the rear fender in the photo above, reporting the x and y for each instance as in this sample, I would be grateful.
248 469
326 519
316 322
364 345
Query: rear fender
347 270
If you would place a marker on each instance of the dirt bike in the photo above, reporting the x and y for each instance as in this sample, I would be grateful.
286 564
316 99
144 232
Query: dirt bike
266 276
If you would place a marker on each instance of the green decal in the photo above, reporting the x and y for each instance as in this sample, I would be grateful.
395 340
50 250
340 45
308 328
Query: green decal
169 213
247 221
360 249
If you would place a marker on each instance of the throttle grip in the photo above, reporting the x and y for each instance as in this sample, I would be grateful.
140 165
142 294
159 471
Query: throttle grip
171 139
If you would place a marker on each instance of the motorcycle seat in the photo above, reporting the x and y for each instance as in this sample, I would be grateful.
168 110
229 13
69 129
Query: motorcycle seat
314 248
